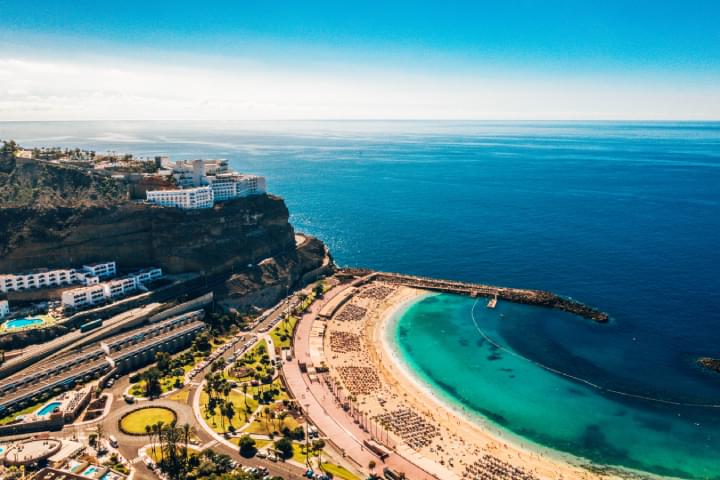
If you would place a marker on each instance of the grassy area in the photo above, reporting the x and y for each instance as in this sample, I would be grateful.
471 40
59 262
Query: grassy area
154 453
134 423
339 472
10 418
282 334
216 423
275 385
166 384
181 396
299 454
252 361
260 427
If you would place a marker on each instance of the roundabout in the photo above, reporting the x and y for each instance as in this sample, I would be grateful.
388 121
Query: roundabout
136 421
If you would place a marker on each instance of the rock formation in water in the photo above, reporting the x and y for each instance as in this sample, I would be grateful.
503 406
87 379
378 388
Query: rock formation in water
712 364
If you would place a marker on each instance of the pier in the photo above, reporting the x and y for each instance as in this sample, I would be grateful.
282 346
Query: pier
518 295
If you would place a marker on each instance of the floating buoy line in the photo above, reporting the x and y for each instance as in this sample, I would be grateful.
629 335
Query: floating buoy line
579 379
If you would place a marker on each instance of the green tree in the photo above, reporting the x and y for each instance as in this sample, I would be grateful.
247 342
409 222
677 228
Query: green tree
285 447
163 362
247 446
152 377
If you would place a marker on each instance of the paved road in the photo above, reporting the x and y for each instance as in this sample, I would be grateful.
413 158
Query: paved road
129 445
323 410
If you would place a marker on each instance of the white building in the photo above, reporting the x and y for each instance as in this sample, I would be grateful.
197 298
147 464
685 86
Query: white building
196 177
148 275
188 198
83 297
234 185
43 278
4 308
79 298
102 270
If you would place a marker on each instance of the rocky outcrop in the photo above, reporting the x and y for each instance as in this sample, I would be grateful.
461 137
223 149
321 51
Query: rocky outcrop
56 216
712 364
517 295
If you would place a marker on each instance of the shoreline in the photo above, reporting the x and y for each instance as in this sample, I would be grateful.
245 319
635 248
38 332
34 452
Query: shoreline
542 461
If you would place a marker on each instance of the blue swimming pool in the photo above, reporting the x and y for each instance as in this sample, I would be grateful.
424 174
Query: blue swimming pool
47 409
90 470
22 323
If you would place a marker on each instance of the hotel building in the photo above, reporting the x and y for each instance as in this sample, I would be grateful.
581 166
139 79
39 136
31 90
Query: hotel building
226 186
202 183
4 308
79 298
44 278
188 198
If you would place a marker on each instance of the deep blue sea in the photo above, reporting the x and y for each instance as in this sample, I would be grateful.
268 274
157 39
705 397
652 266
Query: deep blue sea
623 216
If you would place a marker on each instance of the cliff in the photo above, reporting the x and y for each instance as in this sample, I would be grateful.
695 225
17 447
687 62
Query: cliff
58 216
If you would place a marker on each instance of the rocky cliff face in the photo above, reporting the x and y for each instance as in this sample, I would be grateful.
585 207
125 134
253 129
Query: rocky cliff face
53 216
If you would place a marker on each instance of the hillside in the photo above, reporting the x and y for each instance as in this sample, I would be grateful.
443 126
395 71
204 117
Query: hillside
60 216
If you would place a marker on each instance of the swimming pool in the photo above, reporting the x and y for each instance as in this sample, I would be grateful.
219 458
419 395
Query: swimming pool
22 323
47 409
90 470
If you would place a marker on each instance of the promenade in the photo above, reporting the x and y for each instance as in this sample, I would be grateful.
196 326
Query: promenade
320 406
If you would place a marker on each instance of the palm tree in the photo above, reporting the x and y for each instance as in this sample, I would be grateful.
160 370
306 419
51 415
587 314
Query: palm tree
186 430
267 416
148 432
100 432
229 411
245 390
281 417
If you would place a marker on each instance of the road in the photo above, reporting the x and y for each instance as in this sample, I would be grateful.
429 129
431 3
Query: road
129 445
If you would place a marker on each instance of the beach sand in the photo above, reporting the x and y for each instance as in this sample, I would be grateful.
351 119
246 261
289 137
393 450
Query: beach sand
380 384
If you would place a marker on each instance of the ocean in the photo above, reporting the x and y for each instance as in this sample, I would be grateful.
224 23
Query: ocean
622 216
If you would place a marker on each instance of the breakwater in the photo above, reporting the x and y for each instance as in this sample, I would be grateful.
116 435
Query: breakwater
531 297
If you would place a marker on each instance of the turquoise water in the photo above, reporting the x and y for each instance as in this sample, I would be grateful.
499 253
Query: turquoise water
47 409
439 340
89 471
22 323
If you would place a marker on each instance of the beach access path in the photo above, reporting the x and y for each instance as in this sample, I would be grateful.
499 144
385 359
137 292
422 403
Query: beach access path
319 404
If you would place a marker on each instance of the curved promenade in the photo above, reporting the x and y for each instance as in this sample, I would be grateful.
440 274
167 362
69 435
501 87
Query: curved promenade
323 411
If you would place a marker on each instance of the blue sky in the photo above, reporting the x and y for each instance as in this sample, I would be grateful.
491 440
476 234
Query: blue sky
661 59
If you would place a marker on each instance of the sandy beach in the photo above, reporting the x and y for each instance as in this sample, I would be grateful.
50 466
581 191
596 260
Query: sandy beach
408 416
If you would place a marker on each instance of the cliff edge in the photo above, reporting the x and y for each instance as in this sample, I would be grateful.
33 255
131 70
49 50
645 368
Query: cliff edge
53 215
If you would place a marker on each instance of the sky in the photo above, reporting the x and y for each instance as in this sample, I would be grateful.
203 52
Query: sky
275 59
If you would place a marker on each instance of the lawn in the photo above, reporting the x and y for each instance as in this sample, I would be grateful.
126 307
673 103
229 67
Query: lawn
25 411
258 426
299 453
253 359
282 334
155 453
134 423
276 384
180 396
166 384
216 423
339 472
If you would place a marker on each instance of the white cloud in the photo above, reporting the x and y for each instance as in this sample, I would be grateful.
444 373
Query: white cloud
34 89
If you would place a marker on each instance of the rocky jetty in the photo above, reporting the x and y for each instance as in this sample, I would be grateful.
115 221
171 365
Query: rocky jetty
712 364
517 295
